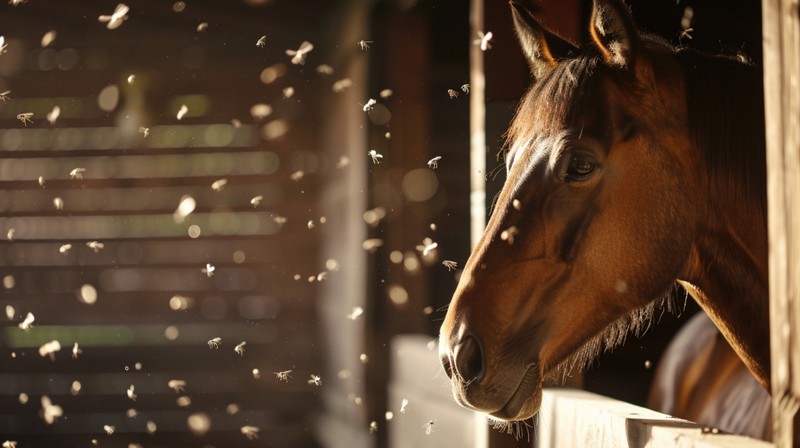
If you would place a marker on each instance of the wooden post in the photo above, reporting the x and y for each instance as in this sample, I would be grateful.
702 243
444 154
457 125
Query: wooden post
477 127
343 200
781 33
477 159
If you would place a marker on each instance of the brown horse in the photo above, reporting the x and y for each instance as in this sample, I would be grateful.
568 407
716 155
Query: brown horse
632 166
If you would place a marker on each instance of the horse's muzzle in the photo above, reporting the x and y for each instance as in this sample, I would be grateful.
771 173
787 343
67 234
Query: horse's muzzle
509 393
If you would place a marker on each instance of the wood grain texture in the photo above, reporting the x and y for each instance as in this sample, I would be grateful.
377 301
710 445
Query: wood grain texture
781 30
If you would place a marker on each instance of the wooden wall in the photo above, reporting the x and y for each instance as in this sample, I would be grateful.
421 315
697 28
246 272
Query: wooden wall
125 200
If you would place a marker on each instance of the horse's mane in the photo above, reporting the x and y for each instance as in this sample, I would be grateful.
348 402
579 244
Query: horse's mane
724 99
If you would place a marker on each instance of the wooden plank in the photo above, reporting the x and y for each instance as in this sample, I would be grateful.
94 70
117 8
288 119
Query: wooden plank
477 127
573 418
781 32
342 422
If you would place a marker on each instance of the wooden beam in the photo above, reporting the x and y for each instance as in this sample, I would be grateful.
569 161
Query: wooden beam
781 33
573 418
477 126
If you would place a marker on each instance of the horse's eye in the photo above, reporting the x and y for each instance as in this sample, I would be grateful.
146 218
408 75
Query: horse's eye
579 169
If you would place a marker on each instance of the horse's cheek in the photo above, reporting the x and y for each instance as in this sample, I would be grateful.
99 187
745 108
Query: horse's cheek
638 241
662 235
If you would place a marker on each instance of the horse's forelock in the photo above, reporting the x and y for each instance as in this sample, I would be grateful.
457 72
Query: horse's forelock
553 102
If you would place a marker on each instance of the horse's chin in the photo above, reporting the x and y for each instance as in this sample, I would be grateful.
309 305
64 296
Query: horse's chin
525 401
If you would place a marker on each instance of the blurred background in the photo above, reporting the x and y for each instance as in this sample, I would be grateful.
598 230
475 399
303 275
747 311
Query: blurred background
172 181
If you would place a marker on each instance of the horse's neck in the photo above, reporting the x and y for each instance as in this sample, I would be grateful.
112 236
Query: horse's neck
727 272
729 279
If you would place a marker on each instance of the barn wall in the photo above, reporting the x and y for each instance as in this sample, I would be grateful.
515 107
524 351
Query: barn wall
155 308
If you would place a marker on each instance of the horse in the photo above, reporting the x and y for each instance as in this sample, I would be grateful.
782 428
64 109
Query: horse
632 167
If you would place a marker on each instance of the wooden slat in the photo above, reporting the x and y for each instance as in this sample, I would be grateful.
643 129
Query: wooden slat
477 126
781 29
576 419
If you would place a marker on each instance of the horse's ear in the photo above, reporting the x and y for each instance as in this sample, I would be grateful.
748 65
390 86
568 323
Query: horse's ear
614 33
542 48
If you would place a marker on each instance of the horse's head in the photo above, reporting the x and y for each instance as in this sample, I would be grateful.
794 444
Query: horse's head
595 220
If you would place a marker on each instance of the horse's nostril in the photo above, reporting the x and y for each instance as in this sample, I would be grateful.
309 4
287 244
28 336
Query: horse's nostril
469 359
448 366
